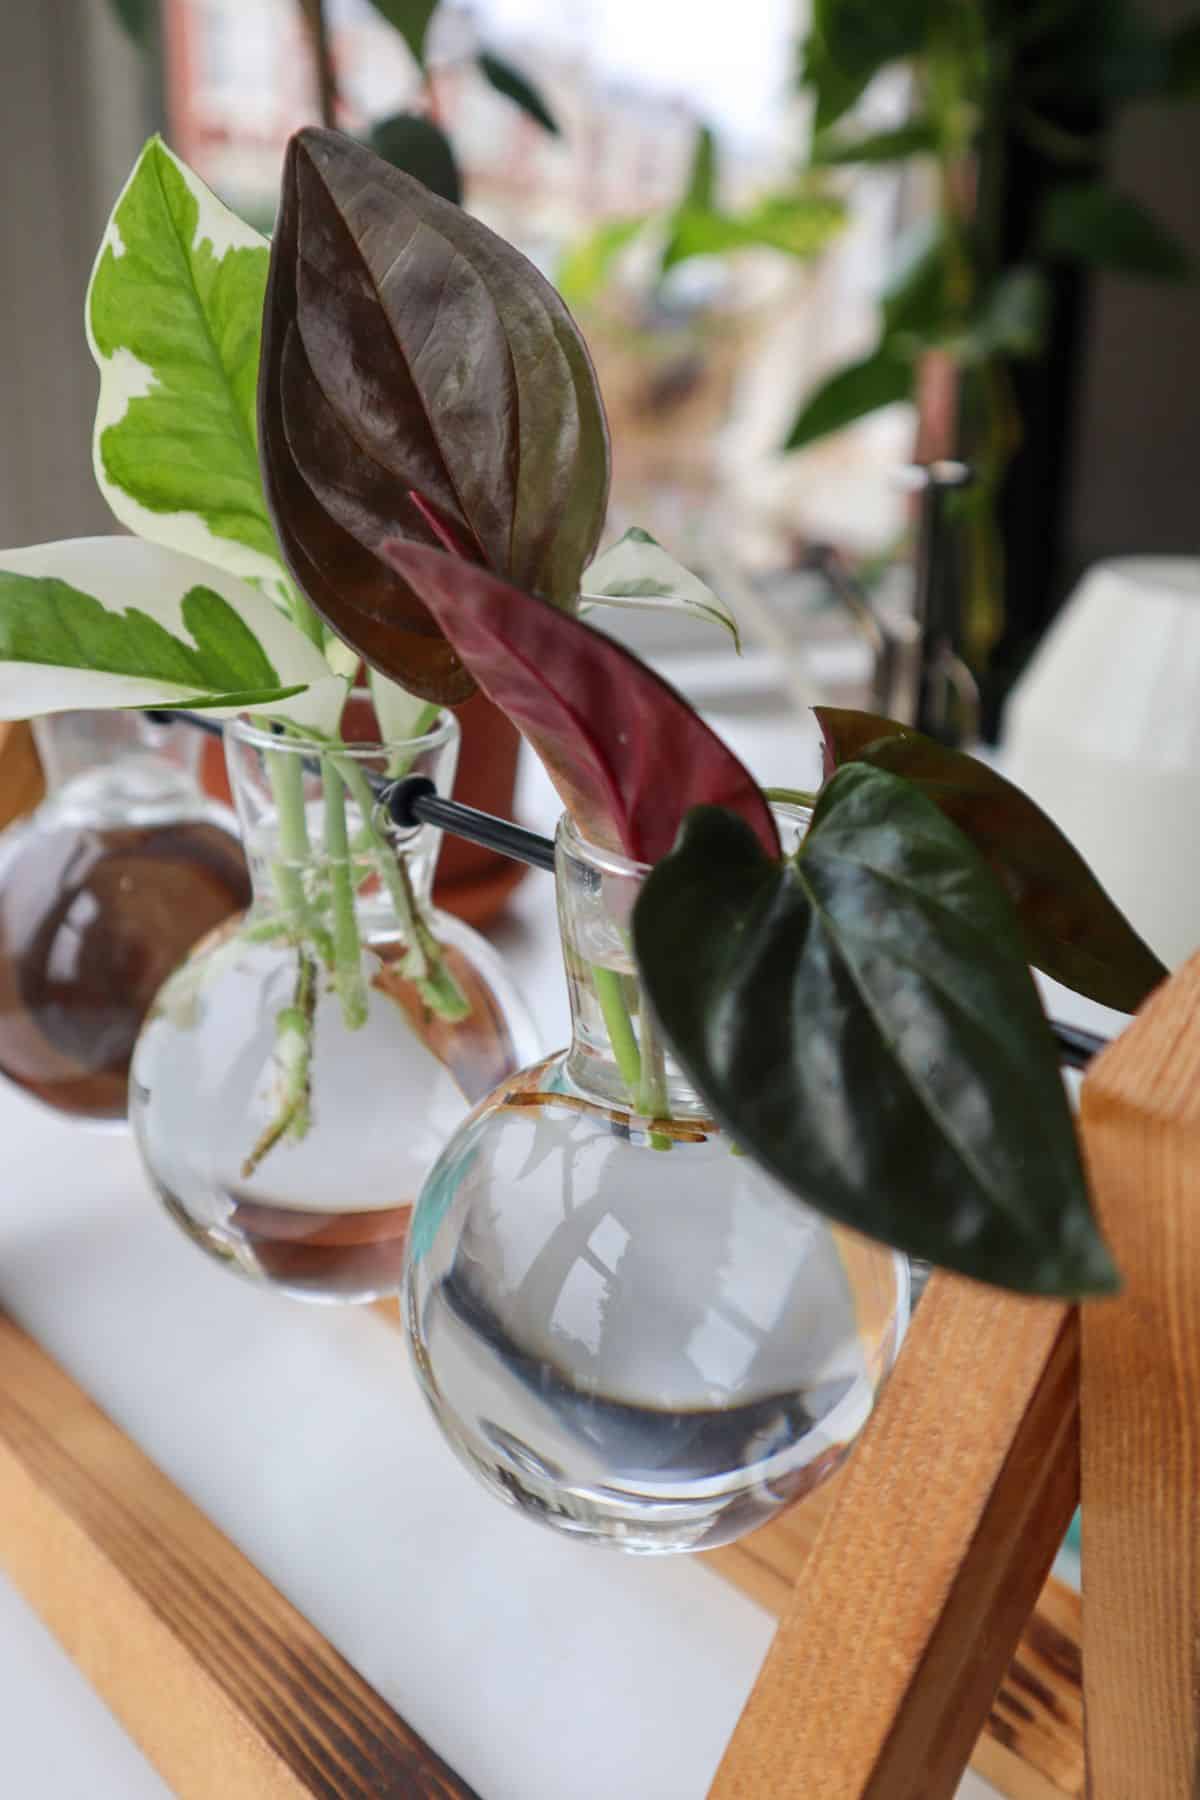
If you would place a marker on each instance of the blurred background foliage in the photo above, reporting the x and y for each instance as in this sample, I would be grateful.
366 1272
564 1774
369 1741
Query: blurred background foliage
865 233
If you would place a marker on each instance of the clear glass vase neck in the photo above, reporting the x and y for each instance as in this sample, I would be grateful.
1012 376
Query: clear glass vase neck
105 768
617 1055
306 806
617 1052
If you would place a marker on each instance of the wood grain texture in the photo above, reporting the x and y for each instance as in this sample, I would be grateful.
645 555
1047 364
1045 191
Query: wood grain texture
1032 1742
929 1562
21 784
1141 1409
1032 1745
226 1688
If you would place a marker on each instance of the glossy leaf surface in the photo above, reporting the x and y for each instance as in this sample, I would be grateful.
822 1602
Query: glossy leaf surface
421 380
1071 929
627 753
862 1022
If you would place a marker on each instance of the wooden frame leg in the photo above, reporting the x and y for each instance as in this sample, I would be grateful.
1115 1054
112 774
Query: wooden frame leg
932 1556
1141 1410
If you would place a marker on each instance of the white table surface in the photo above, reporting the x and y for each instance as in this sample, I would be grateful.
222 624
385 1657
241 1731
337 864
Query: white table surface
539 1669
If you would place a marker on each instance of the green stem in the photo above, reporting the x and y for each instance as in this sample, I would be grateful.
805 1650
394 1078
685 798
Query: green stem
402 762
347 949
652 1099
791 796
424 964
287 788
610 992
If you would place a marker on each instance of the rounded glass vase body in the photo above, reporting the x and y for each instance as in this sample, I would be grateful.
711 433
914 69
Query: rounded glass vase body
103 891
298 1076
626 1328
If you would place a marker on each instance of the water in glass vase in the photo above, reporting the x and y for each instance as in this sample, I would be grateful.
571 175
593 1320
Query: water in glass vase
102 893
288 1099
626 1329
325 1216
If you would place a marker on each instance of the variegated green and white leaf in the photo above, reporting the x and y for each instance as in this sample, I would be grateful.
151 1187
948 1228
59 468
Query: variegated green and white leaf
174 320
114 622
637 571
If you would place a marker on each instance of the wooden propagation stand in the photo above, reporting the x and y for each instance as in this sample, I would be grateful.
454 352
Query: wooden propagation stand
917 1632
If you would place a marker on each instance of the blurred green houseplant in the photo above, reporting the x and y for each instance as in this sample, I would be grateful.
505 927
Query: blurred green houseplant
798 220
987 78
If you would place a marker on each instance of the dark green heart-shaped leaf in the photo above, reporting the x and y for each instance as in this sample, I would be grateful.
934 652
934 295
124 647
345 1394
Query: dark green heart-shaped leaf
419 379
1071 929
518 88
422 150
862 1021
851 393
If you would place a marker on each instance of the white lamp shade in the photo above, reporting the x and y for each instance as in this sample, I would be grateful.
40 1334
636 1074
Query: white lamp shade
1103 730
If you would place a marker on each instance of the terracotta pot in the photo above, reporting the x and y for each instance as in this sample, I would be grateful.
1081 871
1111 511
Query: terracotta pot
471 882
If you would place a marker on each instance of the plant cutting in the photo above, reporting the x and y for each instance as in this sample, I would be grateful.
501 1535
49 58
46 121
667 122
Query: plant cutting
198 609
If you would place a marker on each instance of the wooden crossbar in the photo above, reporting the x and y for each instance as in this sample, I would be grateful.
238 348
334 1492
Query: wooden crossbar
229 1691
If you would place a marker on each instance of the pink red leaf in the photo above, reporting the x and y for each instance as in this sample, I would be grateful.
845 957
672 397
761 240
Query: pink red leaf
627 753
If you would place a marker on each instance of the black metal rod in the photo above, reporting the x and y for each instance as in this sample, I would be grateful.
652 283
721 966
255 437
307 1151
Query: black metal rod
938 606
414 801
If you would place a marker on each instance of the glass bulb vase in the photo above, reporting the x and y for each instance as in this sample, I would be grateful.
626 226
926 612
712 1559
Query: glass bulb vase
298 1076
103 891
624 1327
